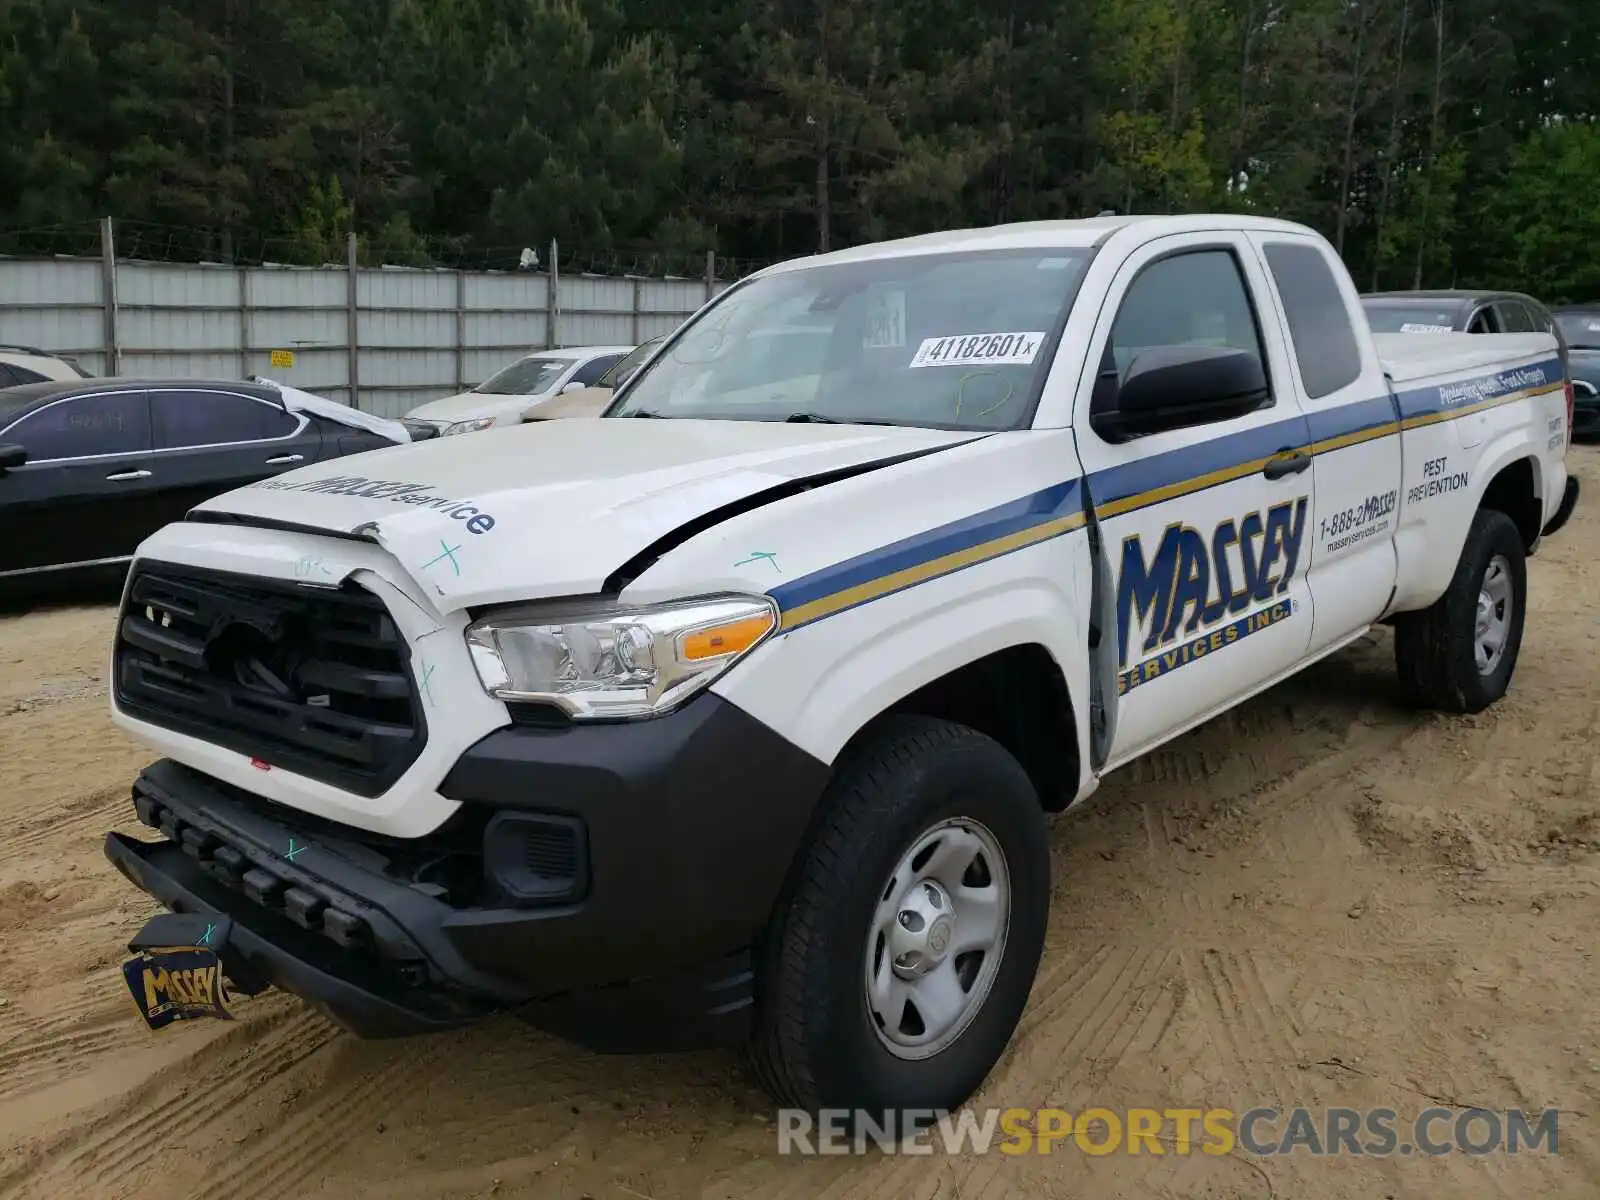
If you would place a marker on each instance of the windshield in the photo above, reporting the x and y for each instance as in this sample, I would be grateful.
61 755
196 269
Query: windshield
1582 330
525 377
953 341
622 370
1417 317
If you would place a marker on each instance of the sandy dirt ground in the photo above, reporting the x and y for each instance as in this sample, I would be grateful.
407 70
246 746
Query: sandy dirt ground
1319 899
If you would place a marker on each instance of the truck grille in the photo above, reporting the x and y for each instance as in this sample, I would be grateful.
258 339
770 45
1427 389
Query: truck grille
313 680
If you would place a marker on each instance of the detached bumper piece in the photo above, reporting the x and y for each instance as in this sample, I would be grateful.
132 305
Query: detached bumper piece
1569 501
181 970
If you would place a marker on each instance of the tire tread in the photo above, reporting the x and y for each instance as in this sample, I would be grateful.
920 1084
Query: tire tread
1434 655
860 799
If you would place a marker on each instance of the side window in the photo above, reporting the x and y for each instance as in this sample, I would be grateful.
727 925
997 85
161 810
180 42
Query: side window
12 375
589 374
1193 299
1483 321
116 423
197 418
1319 320
1513 317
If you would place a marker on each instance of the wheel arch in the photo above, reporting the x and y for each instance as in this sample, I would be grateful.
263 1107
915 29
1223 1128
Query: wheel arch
1515 490
1018 696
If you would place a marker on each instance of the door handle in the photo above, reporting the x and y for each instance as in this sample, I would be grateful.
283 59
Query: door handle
122 476
285 458
1286 462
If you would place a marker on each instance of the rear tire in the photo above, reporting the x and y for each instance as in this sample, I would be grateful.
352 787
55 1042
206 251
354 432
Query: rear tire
921 801
1459 654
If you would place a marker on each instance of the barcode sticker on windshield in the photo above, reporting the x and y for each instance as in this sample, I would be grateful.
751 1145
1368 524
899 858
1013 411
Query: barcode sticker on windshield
978 349
1422 327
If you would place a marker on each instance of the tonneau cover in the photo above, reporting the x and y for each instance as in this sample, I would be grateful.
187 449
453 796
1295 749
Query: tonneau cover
1407 357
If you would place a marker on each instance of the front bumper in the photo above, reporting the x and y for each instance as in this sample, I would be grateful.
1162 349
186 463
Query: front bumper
632 933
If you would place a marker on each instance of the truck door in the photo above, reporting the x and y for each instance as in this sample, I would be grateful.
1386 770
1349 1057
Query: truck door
1350 563
1203 526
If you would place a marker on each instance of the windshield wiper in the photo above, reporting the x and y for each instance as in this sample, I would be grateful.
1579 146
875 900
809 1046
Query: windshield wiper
645 412
804 418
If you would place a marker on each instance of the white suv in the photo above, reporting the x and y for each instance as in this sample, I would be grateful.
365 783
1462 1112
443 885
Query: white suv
24 364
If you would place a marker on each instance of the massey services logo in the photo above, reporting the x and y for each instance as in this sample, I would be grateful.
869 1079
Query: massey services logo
1203 588
400 492
177 983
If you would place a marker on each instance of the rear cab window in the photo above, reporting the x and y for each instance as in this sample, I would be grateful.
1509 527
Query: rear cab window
1318 316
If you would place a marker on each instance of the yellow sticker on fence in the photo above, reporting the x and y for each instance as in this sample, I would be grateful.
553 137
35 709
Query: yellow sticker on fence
283 358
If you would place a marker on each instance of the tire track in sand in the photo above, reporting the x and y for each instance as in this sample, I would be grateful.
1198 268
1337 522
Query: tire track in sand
94 813
279 1163
101 1157
39 1062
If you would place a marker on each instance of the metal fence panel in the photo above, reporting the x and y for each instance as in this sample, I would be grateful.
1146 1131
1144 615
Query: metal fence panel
57 305
421 334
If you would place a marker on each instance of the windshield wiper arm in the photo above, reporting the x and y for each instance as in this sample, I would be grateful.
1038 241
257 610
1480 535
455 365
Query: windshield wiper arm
820 419
645 412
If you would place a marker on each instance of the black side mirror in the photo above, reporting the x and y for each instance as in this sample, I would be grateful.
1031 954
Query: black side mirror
11 455
1173 387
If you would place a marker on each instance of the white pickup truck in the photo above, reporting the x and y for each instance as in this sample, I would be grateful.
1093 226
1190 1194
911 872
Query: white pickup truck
737 713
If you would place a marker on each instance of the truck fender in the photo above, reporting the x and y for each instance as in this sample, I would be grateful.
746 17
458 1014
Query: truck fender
1429 549
823 683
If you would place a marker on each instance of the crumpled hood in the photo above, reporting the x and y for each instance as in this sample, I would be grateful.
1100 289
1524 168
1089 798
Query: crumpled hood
555 507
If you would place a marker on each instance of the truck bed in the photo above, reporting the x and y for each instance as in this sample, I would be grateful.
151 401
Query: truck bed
1408 357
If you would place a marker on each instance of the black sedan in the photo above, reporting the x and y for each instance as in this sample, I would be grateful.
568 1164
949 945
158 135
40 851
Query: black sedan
1576 330
1455 311
1580 326
90 468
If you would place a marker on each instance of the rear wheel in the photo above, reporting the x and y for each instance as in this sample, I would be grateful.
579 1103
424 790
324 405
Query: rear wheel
1459 654
897 968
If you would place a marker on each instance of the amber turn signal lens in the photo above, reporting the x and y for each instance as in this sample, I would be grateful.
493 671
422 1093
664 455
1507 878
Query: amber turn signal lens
722 640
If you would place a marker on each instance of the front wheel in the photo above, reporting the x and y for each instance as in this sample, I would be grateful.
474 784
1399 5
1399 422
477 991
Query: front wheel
1459 654
897 968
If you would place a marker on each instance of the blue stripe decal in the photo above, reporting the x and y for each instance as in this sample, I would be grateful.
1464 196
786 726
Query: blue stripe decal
1378 415
1445 400
1127 487
1217 461
1025 522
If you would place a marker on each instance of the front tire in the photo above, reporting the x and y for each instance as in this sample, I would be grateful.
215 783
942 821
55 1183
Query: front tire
1459 655
897 966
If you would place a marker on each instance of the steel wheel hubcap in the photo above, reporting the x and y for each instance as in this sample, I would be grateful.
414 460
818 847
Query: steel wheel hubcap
937 938
1493 625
